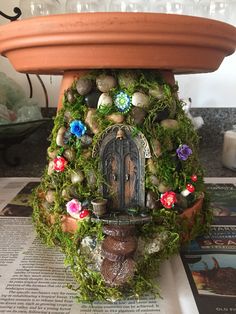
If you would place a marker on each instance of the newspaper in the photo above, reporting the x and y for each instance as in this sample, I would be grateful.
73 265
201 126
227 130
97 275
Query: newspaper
210 261
33 278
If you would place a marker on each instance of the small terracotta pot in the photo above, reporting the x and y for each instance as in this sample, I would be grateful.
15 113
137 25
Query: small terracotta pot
192 211
99 206
68 224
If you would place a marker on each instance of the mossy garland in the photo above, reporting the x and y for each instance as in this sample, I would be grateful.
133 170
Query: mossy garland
172 172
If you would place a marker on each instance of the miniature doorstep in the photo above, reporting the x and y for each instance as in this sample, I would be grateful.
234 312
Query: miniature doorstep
123 188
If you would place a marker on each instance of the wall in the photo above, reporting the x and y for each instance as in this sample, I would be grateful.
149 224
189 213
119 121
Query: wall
216 89
52 82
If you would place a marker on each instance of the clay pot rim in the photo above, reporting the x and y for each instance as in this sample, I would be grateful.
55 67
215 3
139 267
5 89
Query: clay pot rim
196 207
99 201
58 43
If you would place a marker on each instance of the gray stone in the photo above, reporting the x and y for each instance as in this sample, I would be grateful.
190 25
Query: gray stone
46 206
69 154
154 180
60 136
153 245
73 192
86 153
66 193
162 188
70 96
52 153
84 86
162 115
50 196
156 147
90 120
127 79
151 200
170 124
105 83
77 176
173 109
151 166
138 114
116 118
156 91
91 247
50 167
86 140
168 145
92 98
91 178
140 100
68 117
104 100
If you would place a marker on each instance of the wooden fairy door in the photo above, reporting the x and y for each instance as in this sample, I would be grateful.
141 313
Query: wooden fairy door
122 169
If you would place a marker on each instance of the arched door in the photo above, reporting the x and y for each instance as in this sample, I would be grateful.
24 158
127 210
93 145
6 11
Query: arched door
123 166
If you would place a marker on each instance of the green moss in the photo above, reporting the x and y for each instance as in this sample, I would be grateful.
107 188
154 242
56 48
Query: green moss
168 168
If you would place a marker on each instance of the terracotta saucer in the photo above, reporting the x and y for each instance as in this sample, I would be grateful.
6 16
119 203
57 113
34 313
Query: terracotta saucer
59 43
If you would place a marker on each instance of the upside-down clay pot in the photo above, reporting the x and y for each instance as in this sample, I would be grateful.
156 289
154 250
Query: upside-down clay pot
71 45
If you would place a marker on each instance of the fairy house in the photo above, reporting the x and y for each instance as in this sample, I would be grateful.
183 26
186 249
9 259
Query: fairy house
123 186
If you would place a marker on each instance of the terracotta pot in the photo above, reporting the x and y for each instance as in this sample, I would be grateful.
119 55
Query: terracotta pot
68 224
190 212
99 206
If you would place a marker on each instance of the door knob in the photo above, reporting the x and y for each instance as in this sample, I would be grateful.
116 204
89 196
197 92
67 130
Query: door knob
127 177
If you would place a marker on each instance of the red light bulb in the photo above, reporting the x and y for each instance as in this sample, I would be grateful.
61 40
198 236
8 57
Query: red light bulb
194 178
84 213
190 188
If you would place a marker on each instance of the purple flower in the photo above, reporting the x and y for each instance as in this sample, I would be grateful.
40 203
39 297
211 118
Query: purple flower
77 128
183 152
